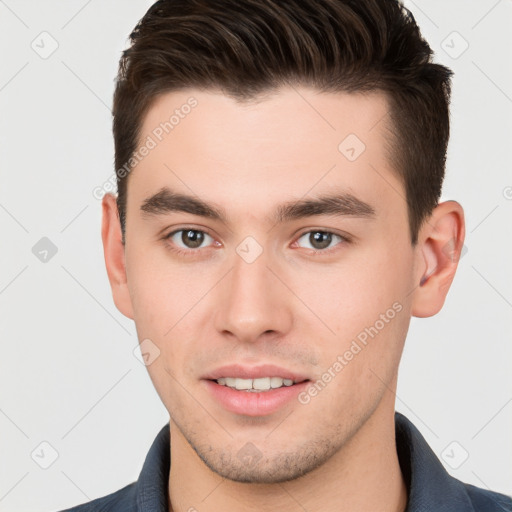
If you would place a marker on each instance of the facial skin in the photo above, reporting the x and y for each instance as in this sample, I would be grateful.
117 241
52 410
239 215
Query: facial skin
291 306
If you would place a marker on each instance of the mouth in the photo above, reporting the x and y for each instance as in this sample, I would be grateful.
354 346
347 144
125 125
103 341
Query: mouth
258 385
254 390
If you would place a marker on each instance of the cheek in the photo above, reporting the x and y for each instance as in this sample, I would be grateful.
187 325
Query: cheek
364 303
160 291
163 299
356 292
169 302
369 316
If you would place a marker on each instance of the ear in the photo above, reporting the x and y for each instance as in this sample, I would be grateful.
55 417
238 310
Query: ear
113 250
440 242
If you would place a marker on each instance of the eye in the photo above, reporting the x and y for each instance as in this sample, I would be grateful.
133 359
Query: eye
189 238
320 240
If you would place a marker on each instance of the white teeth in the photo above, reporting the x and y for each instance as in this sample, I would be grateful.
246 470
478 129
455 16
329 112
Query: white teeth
276 382
243 383
259 384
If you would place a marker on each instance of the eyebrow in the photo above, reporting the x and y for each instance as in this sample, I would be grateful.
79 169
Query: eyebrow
342 204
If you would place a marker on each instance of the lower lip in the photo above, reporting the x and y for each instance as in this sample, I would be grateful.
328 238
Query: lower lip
252 403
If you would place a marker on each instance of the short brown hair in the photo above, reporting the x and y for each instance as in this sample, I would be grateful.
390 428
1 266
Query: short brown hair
246 48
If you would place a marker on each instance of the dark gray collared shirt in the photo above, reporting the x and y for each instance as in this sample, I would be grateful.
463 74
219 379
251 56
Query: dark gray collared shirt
430 487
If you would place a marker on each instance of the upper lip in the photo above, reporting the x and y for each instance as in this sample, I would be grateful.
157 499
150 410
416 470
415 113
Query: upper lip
254 372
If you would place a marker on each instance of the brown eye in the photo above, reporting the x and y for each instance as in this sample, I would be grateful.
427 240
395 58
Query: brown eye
189 238
319 240
192 238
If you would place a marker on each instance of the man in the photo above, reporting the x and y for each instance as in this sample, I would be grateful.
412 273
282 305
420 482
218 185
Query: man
276 226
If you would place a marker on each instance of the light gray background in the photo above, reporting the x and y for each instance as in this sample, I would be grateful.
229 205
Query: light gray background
68 374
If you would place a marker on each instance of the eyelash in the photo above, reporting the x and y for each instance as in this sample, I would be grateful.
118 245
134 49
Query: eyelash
191 253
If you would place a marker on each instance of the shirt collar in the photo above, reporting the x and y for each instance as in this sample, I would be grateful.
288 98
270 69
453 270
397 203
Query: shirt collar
153 483
429 486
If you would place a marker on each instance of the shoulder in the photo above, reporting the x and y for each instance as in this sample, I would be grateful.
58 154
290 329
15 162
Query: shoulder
123 500
148 492
488 501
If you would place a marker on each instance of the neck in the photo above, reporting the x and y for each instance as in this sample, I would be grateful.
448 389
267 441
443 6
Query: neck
364 476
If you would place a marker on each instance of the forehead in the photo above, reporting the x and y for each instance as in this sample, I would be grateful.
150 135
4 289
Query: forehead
290 143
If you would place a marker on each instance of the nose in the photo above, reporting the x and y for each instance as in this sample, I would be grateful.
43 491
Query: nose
253 302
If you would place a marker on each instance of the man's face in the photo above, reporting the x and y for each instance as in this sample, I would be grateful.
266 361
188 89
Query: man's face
251 289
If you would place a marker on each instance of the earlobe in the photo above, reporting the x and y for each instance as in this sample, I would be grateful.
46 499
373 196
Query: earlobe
114 253
440 243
